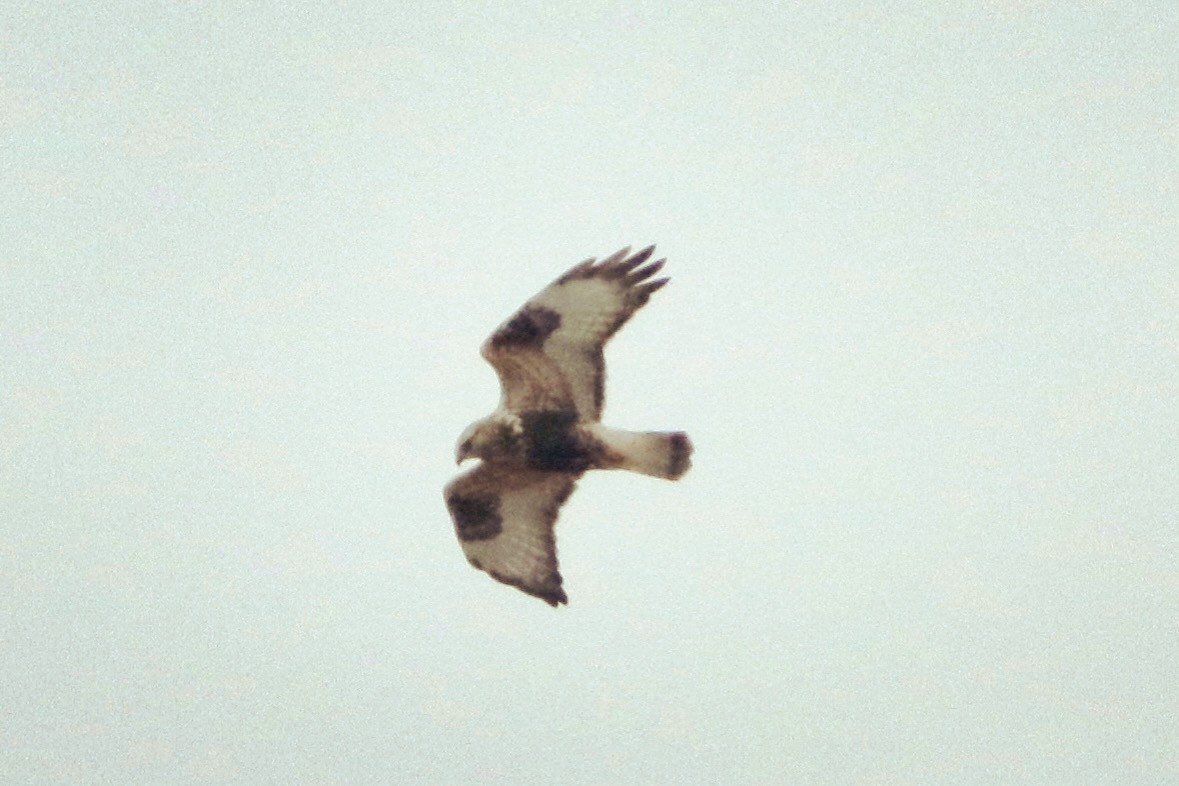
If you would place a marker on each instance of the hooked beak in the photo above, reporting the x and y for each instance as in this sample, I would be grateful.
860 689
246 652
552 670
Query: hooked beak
462 452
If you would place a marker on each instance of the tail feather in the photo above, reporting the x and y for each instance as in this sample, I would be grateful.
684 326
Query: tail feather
661 454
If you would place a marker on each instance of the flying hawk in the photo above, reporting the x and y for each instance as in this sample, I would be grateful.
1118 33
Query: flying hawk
546 431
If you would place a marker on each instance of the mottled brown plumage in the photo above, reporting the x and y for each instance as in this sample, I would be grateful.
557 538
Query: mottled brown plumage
547 430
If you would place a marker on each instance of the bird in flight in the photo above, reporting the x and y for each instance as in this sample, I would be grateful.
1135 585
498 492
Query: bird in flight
547 429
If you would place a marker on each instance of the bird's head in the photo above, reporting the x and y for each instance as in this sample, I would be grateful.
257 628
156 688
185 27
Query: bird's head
490 438
470 444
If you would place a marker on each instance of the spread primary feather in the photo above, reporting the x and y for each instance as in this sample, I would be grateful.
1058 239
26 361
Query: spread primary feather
546 431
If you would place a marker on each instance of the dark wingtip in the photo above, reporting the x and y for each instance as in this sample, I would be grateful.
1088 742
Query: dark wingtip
615 258
642 256
577 271
646 271
617 265
645 290
554 596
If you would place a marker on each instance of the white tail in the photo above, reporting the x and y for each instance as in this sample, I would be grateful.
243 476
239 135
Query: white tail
661 454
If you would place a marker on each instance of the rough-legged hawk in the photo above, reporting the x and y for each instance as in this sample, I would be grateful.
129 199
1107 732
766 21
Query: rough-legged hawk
547 430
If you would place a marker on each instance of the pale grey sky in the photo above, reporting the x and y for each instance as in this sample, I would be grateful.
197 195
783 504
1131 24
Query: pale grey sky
923 328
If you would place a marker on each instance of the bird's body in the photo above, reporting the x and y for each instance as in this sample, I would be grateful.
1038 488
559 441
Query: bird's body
546 431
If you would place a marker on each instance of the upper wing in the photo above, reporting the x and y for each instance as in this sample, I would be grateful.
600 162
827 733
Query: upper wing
549 353
504 519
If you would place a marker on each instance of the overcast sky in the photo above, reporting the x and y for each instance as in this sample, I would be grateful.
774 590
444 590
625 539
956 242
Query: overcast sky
923 328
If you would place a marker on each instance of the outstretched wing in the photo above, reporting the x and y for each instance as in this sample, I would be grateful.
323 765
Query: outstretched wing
504 520
549 353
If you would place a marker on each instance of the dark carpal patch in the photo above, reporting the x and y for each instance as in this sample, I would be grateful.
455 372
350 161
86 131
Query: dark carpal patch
476 517
530 326
553 443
